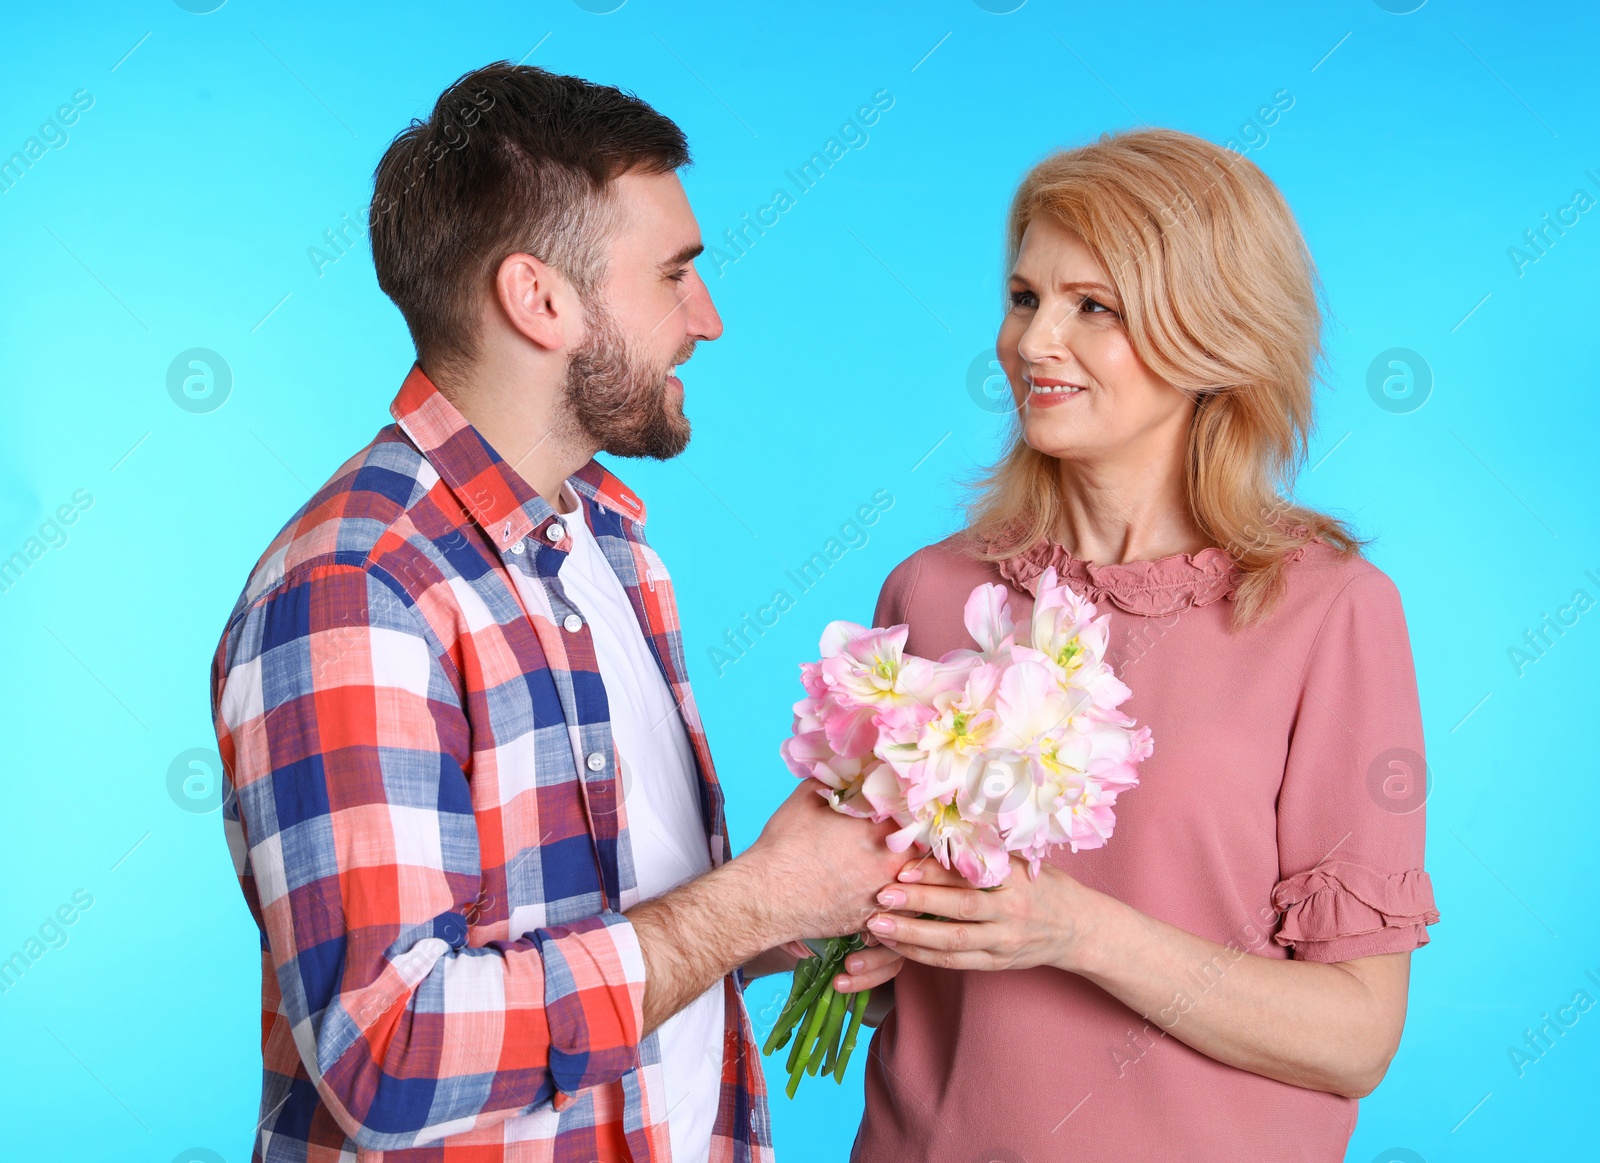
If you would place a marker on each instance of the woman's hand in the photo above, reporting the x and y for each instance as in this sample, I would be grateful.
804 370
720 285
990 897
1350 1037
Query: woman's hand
1024 922
868 968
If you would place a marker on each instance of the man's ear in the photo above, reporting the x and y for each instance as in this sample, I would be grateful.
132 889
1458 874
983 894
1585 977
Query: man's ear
538 302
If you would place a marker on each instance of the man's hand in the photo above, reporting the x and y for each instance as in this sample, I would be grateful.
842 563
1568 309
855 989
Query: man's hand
813 872
824 868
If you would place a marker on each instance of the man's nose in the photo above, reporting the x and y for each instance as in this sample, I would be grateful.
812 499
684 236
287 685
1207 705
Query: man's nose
704 322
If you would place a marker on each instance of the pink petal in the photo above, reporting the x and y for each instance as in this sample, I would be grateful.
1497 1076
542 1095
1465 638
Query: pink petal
851 731
836 636
988 616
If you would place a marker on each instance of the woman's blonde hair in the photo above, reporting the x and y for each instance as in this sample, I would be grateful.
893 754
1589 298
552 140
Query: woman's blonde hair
1219 297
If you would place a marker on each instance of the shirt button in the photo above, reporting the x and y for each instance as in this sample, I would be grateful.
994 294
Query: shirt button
596 761
573 623
517 548
555 532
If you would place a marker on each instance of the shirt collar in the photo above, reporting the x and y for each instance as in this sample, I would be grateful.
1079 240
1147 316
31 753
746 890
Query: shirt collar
595 482
490 491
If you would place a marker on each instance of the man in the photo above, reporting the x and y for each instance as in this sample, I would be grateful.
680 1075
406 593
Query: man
470 802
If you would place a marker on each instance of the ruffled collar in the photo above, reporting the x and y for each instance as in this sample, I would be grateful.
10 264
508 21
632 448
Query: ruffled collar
1146 588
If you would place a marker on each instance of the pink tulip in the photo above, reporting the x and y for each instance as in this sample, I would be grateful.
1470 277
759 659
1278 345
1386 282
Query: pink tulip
1016 747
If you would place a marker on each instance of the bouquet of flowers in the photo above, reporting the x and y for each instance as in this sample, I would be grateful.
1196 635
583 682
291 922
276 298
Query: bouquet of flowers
1016 747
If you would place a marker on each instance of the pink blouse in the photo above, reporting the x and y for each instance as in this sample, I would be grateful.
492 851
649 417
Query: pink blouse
1281 815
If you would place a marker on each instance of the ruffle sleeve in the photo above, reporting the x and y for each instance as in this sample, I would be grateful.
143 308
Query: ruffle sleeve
1351 807
1339 911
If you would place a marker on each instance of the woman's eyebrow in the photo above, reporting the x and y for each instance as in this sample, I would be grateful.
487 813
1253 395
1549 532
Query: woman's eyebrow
1071 285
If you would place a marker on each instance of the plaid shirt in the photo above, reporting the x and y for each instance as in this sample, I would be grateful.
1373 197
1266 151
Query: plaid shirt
426 820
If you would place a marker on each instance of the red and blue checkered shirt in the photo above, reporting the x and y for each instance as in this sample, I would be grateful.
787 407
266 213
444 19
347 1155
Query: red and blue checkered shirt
424 811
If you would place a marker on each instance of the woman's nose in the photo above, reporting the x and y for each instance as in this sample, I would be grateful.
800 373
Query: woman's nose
1045 338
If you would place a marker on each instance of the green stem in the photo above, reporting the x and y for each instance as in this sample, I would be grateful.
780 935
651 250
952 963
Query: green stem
830 1030
799 1042
812 1029
858 1007
803 973
815 1013
797 1005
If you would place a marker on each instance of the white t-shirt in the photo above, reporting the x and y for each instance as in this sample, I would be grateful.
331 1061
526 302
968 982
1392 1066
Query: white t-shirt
661 791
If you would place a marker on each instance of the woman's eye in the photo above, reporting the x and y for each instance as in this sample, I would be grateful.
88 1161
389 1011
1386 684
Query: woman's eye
1023 299
1099 308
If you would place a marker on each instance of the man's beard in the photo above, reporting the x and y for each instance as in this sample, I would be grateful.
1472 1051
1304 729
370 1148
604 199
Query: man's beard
619 403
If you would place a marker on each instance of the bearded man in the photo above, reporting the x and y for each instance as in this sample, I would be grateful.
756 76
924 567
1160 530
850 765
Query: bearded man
470 802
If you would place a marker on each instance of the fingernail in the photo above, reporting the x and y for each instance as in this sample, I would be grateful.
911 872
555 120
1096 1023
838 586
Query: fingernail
891 899
853 964
881 925
910 875
841 984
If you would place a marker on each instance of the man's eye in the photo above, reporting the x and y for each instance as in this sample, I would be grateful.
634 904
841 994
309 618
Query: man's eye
679 275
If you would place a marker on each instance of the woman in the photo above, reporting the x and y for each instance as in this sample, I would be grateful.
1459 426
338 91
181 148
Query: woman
1228 976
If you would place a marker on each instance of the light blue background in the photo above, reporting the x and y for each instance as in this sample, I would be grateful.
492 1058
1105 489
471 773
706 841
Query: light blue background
220 147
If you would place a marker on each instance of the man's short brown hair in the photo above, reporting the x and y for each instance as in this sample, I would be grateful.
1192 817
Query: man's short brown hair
513 159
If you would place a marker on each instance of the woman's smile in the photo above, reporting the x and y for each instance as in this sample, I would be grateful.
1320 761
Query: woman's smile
1047 393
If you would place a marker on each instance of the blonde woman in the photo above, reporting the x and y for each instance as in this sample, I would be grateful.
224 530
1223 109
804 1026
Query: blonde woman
1228 976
